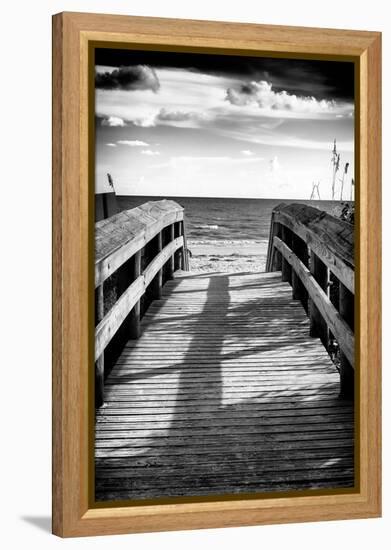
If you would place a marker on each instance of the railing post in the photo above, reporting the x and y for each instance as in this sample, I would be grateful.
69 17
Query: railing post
299 291
99 363
276 259
171 263
179 252
346 310
134 316
318 326
286 269
185 255
157 283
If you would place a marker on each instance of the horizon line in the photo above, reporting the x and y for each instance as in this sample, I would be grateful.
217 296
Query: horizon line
223 197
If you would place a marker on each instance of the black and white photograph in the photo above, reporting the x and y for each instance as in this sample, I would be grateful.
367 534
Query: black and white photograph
224 275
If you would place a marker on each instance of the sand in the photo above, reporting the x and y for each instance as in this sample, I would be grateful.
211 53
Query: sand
227 256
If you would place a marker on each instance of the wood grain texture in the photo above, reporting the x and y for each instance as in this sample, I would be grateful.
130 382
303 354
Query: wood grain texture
109 325
335 321
119 237
331 239
57 294
73 513
202 429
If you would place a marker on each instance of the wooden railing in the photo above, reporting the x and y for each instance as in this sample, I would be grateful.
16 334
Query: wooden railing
315 253
136 251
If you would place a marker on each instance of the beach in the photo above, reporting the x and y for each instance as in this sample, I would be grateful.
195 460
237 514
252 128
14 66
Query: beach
227 256
225 234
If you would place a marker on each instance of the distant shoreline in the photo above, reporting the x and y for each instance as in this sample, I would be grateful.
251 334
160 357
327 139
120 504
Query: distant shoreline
225 234
227 256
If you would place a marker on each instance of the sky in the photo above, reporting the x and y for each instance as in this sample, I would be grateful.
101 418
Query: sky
170 124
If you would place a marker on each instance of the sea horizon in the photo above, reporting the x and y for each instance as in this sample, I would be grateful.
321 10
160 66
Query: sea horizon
227 219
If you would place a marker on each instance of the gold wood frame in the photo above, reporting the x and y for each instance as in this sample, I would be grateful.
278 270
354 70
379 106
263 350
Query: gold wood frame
73 513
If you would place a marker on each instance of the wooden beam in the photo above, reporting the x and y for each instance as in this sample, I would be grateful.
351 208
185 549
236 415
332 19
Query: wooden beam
334 320
274 258
135 329
346 310
99 358
318 326
181 250
276 261
270 245
171 267
299 291
286 269
178 260
157 282
186 265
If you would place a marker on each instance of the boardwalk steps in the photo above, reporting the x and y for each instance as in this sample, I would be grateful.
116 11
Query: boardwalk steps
224 392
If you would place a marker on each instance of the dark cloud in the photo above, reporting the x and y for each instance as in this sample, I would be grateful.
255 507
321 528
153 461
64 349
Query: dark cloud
319 78
135 77
245 94
262 94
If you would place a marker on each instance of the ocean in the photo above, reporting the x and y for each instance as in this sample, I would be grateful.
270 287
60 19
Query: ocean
227 220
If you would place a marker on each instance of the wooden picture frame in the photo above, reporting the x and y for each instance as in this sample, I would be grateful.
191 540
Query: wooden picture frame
73 34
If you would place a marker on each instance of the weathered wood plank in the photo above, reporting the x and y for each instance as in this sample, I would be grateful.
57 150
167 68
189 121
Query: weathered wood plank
330 238
171 471
318 326
346 310
278 395
135 328
157 281
119 237
226 479
334 444
99 363
207 439
137 410
290 457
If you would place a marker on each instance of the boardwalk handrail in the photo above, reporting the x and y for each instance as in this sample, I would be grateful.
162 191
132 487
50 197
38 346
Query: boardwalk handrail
315 251
140 244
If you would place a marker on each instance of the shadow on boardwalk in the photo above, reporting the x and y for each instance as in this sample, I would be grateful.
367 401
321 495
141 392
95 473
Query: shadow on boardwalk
224 393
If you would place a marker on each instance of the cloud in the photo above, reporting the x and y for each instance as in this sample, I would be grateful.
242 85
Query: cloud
247 153
146 121
169 117
175 116
132 143
262 94
150 153
113 121
111 145
137 77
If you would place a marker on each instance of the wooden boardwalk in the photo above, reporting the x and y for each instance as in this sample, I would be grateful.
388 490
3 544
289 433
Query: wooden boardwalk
224 392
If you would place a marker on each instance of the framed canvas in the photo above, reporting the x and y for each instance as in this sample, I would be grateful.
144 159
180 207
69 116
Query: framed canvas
216 274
